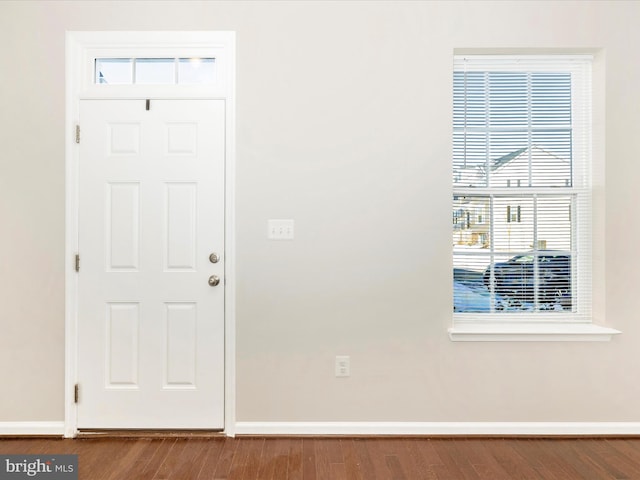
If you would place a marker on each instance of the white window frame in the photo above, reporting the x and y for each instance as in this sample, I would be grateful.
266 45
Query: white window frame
544 326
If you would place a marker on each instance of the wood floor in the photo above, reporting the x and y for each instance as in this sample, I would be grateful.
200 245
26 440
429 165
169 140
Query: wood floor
342 458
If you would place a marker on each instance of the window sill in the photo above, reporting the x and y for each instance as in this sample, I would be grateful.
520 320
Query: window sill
530 332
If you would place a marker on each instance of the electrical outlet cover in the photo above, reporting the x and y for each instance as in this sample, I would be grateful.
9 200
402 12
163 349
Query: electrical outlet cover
343 366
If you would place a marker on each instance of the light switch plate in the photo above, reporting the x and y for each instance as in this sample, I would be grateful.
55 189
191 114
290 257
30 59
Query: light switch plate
280 229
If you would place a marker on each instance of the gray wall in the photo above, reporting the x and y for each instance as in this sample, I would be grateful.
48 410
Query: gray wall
344 124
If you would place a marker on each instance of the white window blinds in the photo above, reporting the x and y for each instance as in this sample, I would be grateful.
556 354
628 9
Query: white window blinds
522 187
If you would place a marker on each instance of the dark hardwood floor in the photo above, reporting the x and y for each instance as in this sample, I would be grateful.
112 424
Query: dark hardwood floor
342 458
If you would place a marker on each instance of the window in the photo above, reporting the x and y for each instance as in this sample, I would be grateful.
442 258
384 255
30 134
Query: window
522 170
513 214
155 71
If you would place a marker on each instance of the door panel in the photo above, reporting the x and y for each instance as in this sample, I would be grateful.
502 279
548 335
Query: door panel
150 328
123 226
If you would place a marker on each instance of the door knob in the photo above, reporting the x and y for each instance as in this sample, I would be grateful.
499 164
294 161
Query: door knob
214 280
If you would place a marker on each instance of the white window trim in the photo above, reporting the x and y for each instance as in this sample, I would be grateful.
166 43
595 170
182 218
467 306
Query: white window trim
530 332
519 328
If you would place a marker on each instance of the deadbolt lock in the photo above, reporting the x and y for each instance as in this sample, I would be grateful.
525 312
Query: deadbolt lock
214 258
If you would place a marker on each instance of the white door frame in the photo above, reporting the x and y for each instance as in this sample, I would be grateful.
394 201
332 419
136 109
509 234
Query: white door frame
81 50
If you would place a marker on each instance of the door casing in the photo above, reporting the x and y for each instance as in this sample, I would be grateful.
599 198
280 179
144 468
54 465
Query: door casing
81 50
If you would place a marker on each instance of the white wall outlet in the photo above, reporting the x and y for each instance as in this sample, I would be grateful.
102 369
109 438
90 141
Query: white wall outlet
343 366
280 229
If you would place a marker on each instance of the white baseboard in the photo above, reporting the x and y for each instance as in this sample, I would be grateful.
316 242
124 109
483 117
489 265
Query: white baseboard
31 428
437 428
381 428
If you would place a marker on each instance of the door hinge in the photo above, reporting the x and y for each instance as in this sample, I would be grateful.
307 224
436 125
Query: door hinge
77 133
77 262
76 393
148 104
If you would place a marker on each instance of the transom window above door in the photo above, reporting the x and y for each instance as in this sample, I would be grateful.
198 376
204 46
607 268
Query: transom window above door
155 71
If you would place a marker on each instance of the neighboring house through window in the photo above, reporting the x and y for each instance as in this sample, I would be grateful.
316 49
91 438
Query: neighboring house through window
522 188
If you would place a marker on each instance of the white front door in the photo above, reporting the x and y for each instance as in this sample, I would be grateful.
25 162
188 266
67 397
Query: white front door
151 214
